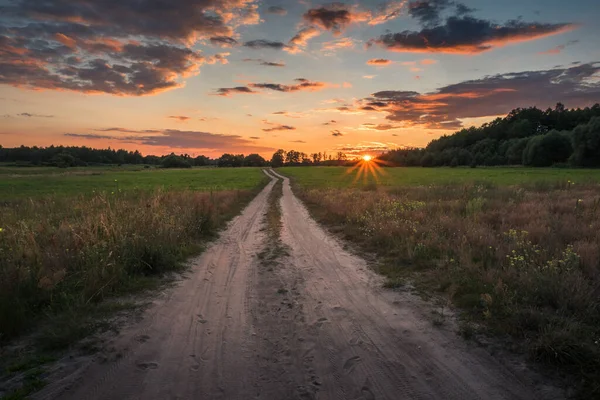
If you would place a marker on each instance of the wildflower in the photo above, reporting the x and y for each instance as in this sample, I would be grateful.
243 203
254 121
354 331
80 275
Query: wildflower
115 180
579 200
1 229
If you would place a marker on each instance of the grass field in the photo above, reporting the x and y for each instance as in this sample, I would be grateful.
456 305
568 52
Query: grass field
341 177
69 238
41 181
518 250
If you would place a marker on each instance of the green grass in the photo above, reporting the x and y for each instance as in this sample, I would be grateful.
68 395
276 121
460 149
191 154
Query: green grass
18 183
340 177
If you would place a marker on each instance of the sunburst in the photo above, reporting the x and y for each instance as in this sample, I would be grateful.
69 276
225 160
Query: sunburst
367 166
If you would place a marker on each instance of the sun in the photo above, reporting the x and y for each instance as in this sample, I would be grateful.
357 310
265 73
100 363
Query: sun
367 158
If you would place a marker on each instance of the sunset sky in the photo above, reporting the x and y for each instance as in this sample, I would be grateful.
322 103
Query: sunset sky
244 76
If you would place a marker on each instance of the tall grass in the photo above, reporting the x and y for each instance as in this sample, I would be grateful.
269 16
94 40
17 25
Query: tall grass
523 262
63 253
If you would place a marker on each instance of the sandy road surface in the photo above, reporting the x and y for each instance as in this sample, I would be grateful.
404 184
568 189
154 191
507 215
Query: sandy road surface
316 326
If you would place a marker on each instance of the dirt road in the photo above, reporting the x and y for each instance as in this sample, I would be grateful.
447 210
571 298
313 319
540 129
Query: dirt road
316 326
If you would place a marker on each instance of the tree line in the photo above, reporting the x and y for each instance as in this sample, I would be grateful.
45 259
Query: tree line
75 156
526 136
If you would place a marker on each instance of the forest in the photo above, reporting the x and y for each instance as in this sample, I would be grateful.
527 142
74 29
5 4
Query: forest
526 136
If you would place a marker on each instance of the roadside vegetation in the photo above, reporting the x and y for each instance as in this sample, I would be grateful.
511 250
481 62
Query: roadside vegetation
522 260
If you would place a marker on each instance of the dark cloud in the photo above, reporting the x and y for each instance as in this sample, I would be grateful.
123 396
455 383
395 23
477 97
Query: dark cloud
335 16
279 128
180 118
379 61
178 20
30 115
124 130
330 122
336 133
277 10
380 127
297 141
223 41
303 84
265 44
171 138
493 95
467 35
254 137
265 63
233 90
120 47
428 12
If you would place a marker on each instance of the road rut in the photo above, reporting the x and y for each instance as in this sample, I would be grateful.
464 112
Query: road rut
316 325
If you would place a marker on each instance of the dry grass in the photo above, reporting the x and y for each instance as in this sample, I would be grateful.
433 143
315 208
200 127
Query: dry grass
62 254
524 261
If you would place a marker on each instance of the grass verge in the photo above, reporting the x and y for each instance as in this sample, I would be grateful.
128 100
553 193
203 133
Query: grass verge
522 263
274 249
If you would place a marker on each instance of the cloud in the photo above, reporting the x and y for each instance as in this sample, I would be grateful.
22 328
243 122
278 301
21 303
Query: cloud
265 63
171 138
279 128
558 49
369 76
223 41
124 130
233 90
297 141
379 61
303 84
336 133
367 147
303 36
428 61
290 114
335 17
116 47
330 122
180 118
30 115
218 58
265 44
576 86
379 127
344 43
467 35
428 11
387 11
254 137
277 10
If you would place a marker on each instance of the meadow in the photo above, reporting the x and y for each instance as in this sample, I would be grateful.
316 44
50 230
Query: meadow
20 182
70 238
342 177
516 250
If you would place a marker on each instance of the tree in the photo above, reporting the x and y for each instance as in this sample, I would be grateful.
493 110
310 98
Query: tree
173 161
231 160
254 160
586 144
545 150
278 158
